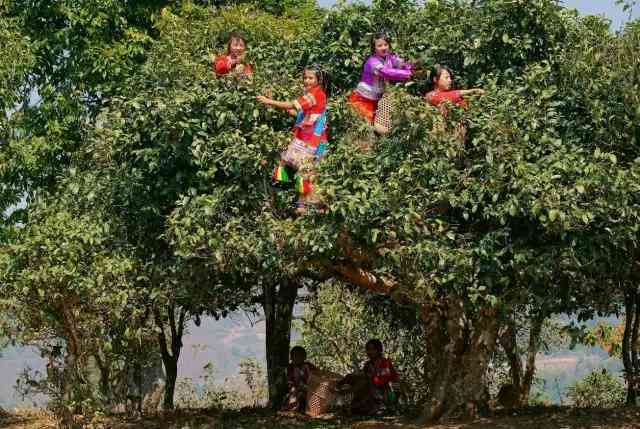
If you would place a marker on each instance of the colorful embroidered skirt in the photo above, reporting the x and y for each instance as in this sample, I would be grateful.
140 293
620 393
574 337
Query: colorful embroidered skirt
363 106
299 155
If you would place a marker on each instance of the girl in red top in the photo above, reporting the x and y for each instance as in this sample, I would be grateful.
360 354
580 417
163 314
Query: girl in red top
443 94
309 142
371 389
232 62
381 374
442 80
298 372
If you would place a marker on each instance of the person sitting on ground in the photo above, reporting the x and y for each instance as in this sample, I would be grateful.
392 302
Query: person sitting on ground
232 61
372 391
298 373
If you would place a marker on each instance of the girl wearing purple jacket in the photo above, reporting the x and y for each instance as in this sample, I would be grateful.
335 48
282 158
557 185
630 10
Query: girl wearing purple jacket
381 66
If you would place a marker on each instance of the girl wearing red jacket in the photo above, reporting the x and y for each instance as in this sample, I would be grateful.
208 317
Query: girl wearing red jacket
442 80
232 62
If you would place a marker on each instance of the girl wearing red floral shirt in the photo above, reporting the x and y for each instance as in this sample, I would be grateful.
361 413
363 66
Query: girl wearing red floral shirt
371 389
443 95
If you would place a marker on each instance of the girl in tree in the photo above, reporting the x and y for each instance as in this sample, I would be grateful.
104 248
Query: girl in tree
232 62
442 80
372 391
381 66
309 138
298 372
443 95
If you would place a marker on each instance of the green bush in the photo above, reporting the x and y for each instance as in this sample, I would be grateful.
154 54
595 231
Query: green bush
600 389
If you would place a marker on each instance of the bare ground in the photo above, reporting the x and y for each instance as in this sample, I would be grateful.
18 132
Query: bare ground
533 418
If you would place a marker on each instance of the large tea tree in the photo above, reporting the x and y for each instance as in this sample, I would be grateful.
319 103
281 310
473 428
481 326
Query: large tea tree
527 208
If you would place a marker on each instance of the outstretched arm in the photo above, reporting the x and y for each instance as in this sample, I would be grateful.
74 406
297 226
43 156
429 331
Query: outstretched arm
395 74
223 64
474 91
284 105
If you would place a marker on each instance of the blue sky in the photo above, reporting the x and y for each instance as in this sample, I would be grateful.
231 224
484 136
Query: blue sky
607 8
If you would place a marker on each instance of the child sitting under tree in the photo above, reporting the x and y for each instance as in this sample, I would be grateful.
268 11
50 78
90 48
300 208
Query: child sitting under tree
372 391
298 373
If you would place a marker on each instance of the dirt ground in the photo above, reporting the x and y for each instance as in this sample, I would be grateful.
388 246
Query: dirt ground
538 418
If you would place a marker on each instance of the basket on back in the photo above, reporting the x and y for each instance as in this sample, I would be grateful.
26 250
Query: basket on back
385 109
321 392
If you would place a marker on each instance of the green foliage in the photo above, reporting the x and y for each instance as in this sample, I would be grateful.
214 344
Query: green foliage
147 177
599 389
67 289
17 56
255 378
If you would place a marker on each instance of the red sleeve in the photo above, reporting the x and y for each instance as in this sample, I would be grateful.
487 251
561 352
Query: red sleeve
314 101
385 373
457 99
435 98
222 65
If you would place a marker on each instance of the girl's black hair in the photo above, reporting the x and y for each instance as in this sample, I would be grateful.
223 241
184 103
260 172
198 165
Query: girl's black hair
320 74
377 36
436 72
238 36
376 343
297 349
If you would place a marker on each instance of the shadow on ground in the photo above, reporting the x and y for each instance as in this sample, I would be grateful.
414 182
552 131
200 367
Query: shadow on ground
532 418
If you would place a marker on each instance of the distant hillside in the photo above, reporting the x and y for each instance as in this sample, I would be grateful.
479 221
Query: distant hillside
226 342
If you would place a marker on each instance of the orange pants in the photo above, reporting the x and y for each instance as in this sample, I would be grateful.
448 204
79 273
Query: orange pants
363 106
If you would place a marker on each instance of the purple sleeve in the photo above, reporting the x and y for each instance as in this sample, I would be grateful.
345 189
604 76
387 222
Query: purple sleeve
390 73
394 68
399 63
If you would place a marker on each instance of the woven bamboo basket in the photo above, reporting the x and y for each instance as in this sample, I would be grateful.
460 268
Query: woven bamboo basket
321 392
384 112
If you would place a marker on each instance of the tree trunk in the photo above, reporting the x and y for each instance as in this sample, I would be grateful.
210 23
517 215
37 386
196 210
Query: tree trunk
460 345
278 303
635 350
521 382
170 352
171 370
105 378
509 343
630 315
532 350
630 346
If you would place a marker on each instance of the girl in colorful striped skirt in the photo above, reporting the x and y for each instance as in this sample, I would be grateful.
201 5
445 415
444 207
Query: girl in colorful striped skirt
309 141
